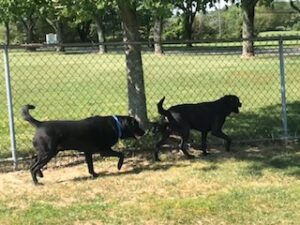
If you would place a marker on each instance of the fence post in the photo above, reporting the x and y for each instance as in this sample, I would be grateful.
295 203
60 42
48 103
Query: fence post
283 92
10 107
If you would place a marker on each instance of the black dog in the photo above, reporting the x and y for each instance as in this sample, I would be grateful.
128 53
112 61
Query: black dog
91 135
203 117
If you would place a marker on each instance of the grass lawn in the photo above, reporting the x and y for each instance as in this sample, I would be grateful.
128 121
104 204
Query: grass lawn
75 86
279 33
251 185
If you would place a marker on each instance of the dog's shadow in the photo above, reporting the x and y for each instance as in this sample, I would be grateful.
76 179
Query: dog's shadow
133 166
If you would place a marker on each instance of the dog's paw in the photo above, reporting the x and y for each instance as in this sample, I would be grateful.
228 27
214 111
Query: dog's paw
95 175
40 173
156 159
190 156
38 184
206 153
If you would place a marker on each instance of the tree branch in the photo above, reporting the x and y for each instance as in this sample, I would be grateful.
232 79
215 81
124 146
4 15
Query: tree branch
293 5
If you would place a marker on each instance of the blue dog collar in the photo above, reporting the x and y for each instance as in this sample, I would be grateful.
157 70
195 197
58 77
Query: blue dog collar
118 126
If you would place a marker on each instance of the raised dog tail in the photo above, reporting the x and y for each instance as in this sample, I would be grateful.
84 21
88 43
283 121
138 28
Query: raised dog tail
160 108
164 112
26 116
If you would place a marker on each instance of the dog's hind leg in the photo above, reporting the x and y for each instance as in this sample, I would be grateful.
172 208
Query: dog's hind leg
41 162
39 173
89 161
110 152
45 154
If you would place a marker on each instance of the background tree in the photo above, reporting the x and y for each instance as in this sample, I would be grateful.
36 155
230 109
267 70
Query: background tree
87 11
294 5
29 14
55 14
8 12
248 14
135 74
189 9
159 11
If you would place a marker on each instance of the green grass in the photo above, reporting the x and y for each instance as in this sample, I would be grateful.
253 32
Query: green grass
279 33
74 86
251 185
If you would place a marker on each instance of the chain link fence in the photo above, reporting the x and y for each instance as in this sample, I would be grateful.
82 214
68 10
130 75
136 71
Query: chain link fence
80 82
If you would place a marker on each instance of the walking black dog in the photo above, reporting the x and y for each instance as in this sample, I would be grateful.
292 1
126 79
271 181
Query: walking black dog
91 135
203 117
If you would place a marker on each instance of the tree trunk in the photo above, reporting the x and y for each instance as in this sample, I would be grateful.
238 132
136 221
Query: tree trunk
7 33
188 24
188 20
60 36
157 33
248 9
29 27
135 76
100 32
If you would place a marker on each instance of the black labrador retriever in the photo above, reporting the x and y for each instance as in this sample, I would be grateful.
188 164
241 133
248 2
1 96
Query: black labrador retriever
203 117
95 134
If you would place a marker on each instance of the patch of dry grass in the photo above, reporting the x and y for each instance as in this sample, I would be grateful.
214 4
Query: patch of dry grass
247 186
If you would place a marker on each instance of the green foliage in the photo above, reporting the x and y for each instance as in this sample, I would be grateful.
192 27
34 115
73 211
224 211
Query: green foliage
173 29
296 26
267 19
219 24
205 27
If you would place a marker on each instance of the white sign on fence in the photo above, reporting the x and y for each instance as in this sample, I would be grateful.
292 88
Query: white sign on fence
51 38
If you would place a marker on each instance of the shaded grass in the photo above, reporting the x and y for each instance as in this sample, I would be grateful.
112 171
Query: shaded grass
252 185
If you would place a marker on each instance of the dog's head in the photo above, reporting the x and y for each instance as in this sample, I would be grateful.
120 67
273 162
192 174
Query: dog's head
159 127
233 103
131 128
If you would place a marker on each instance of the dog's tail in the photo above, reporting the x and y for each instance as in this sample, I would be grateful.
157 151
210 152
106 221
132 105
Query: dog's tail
26 116
164 112
160 108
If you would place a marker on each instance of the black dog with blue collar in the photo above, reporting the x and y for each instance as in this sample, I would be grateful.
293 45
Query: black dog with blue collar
95 134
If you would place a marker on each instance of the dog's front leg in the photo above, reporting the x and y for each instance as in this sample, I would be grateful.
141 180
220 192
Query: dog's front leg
185 133
204 143
220 134
89 161
120 155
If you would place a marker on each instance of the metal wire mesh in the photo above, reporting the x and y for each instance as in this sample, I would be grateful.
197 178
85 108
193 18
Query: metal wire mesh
81 82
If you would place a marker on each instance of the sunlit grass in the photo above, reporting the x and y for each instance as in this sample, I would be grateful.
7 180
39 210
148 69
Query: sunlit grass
75 86
247 186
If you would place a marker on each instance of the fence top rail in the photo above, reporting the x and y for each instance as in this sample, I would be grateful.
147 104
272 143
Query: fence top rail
120 43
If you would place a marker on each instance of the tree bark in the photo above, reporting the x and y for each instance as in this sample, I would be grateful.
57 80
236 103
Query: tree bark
100 32
188 27
60 36
135 75
248 8
29 27
157 35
